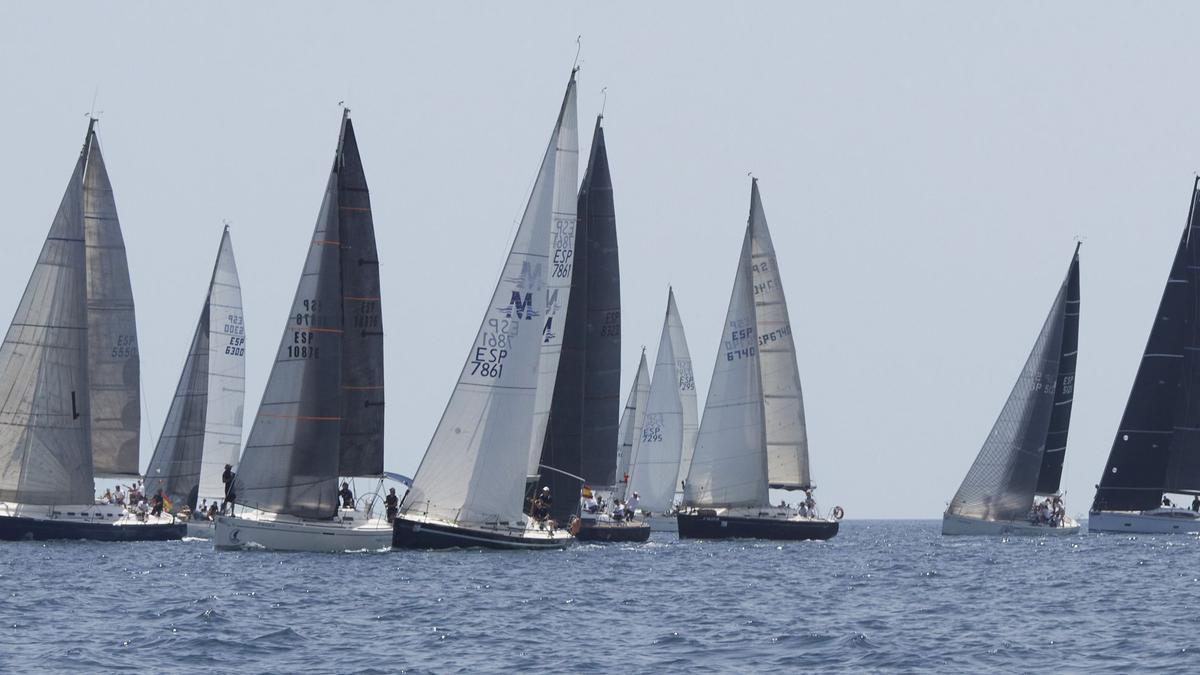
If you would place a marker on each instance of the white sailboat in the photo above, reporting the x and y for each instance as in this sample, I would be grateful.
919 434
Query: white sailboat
1023 455
202 433
752 436
321 415
659 447
469 490
631 424
69 366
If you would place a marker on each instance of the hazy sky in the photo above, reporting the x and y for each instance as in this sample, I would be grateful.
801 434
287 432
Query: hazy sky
925 169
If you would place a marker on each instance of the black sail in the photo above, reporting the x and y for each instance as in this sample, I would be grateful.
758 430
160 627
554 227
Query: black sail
362 339
1050 475
1135 475
581 438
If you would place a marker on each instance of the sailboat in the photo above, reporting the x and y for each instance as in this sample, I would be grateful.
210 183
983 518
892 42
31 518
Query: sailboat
660 445
321 415
69 366
753 434
1156 450
202 433
1022 458
631 424
469 490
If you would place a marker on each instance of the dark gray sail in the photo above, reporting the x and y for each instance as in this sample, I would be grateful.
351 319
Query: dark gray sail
1001 483
582 435
45 444
316 400
1050 475
113 367
362 339
1138 469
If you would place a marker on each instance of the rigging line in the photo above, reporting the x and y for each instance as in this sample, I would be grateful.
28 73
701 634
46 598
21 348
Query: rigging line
578 48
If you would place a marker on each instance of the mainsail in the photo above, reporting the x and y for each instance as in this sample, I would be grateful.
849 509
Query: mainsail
1004 478
582 431
1157 446
69 361
657 449
687 389
324 399
631 424
203 428
729 466
492 430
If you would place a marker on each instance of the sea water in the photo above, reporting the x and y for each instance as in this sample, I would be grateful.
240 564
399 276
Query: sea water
882 596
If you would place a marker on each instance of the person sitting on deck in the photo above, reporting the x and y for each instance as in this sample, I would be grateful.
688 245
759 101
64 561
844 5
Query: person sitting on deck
185 513
203 508
590 504
347 496
541 505
156 504
142 509
212 510
618 511
810 503
631 506
119 497
106 498
392 503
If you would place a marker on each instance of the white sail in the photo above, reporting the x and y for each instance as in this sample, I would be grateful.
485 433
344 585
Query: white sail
687 388
226 373
783 404
729 466
657 449
475 466
631 423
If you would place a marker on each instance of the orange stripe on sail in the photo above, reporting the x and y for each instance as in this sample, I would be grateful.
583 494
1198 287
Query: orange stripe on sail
326 242
323 330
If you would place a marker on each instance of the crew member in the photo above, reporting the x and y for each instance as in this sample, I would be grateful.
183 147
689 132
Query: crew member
230 495
347 496
392 502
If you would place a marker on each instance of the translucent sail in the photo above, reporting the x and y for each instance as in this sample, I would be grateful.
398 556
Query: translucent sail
475 467
361 449
203 428
1157 445
783 404
45 445
657 449
581 438
687 389
1001 483
631 423
113 367
729 466
291 461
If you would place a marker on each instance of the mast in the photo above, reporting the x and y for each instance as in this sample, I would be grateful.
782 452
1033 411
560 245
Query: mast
475 467
1155 447
581 438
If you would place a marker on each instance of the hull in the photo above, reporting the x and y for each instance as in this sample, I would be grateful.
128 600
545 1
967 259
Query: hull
663 524
418 533
96 523
953 525
202 529
1158 521
280 533
591 530
726 524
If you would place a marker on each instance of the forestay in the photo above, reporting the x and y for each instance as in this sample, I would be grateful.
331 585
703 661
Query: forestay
729 466
783 403
631 423
324 397
475 467
203 428
1001 483
657 449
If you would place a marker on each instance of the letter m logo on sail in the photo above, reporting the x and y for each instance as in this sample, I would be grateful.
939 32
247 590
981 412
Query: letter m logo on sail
522 306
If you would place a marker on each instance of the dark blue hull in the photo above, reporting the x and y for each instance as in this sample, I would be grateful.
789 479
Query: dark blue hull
417 535
712 526
20 529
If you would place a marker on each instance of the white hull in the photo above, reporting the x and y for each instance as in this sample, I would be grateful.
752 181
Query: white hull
1158 521
200 529
350 531
961 525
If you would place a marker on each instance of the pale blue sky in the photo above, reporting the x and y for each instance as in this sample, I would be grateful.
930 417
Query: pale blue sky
925 168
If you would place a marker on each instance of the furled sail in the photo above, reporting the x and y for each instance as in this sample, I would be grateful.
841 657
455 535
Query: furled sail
319 399
113 368
657 449
729 466
1001 483
783 404
45 435
475 466
582 434
687 388
203 428
631 423
1157 446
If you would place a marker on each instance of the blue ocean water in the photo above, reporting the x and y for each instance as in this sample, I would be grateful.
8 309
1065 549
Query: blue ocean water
882 596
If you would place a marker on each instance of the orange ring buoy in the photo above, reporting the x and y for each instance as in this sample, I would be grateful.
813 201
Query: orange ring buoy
838 513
